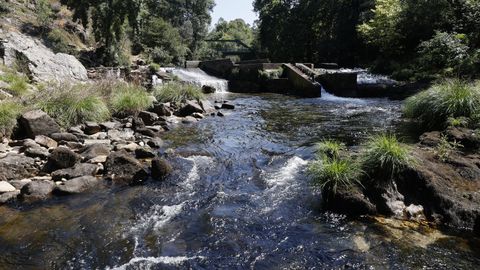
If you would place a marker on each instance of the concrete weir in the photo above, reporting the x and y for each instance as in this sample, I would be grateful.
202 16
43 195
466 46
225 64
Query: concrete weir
303 84
298 79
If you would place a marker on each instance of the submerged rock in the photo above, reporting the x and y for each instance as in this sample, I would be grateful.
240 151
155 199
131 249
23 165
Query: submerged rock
160 168
122 168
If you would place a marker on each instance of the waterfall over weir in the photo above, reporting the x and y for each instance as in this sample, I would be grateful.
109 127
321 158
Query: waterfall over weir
198 77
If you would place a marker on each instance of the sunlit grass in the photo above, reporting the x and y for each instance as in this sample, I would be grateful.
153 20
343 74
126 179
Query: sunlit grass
9 112
177 92
129 99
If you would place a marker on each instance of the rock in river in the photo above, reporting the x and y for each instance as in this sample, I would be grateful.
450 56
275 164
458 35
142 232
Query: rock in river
76 185
62 158
160 168
80 169
122 168
15 166
37 190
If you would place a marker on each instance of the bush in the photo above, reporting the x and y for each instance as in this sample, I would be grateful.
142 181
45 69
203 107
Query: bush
18 83
129 99
443 52
453 98
9 112
445 148
153 67
177 92
385 156
329 148
331 174
71 105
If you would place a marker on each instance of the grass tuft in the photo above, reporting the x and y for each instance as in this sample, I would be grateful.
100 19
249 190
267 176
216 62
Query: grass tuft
129 99
177 92
385 156
18 83
9 112
332 174
74 104
450 99
331 148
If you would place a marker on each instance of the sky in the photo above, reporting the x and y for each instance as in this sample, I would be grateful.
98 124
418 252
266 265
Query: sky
234 9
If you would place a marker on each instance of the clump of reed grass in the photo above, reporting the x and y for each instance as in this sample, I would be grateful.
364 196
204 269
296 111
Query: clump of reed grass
449 99
129 99
385 156
177 92
9 112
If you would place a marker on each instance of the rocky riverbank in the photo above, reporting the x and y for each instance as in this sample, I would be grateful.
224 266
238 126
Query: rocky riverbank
441 187
43 160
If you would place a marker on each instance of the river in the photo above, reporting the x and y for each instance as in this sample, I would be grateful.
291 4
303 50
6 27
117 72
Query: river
238 199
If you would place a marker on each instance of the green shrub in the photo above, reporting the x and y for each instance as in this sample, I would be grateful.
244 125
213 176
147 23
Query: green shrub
177 92
444 51
18 83
329 148
458 122
44 13
9 112
71 105
331 174
129 99
452 98
153 67
385 156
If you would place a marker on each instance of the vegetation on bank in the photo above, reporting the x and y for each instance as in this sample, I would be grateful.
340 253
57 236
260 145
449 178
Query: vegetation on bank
9 111
382 157
129 99
177 92
453 102
72 104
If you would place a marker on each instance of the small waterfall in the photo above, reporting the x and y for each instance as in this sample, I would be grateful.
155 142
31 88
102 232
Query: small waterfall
198 77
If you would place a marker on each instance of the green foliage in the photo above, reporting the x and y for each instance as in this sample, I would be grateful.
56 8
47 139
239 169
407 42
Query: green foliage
72 104
129 99
332 174
458 122
385 156
330 148
442 52
445 148
9 112
44 13
452 98
177 92
60 41
164 42
154 67
18 83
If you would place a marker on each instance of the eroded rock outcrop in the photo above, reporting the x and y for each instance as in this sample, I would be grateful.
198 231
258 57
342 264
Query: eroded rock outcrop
42 63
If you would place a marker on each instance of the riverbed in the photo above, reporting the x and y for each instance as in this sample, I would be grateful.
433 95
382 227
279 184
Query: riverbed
239 198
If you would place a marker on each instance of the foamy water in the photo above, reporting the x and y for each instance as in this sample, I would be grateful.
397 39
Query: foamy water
199 78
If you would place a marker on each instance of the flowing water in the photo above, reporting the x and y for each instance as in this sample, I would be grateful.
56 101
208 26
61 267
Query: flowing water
238 199
199 78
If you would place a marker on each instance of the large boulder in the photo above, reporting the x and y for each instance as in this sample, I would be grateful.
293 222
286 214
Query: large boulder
448 191
76 185
15 166
43 64
37 190
37 122
162 109
66 137
149 118
122 168
62 158
80 169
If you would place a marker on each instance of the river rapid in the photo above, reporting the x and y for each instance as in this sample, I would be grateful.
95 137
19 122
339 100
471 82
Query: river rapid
239 198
